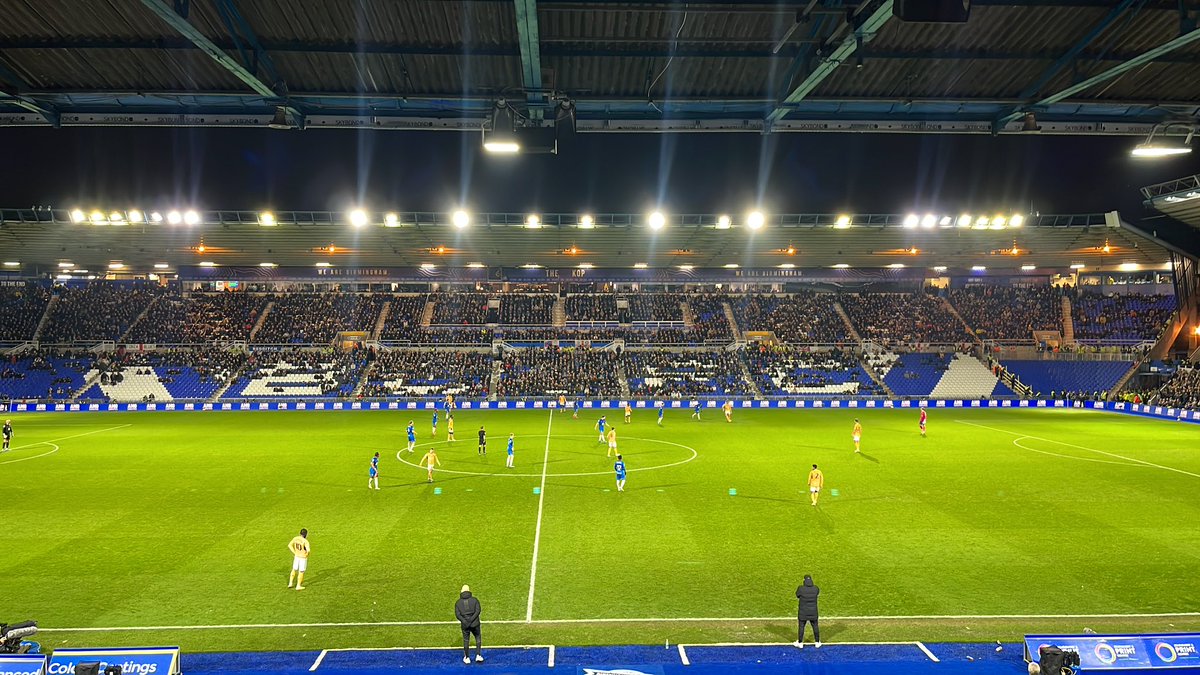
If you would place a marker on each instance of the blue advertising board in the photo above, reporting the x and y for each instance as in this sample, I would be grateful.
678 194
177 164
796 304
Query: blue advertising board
22 664
138 661
1123 652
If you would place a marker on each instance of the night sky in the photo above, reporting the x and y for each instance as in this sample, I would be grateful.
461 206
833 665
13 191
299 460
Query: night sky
686 173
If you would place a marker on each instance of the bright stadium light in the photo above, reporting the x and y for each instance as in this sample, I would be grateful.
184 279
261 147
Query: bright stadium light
531 266
787 266
391 220
841 266
533 222
912 220
929 221
476 265
161 266
939 268
1028 268
657 220
116 265
324 264
964 220
267 264
979 268
755 220
191 217
585 266
998 222
1164 146
896 266
843 222
461 219
156 217
66 265
428 267
116 217
731 266
724 222
981 223
174 217
135 216
358 217
586 222
1078 266
640 266
78 216
946 221
687 268
97 217
207 263
1129 267
1016 221
266 219
11 263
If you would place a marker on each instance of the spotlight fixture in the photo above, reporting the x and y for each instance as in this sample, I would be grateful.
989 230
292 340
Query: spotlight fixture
116 265
913 250
200 248
998 222
267 264
533 222
640 266
391 220
501 139
1106 248
332 249
1165 146
161 266
207 263
1016 221
136 216
1078 266
731 266
724 222
787 266
790 250
841 266
281 120
116 217
266 219
476 265
687 268
585 266
78 216
964 220
755 220
191 218
174 218
461 219
156 217
97 217
912 220
12 263
1028 268
572 251
946 221
657 220
929 220
843 222
981 222
1029 124
358 217
324 264
586 222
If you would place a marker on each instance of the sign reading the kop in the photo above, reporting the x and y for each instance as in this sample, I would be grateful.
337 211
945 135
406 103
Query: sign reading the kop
22 664
1123 652
140 661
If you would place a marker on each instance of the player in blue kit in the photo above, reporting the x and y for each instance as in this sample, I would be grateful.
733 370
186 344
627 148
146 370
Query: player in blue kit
601 424
574 409
373 476
435 414
412 436
509 462
619 467
696 411
661 408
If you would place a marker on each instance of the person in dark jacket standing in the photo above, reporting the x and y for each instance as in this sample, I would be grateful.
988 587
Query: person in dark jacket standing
466 610
807 594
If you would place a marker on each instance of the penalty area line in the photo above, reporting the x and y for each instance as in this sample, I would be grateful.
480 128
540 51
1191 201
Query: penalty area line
325 652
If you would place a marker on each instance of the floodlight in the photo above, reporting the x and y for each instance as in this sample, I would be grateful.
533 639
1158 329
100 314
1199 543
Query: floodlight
358 217
391 220
428 266
174 218
266 219
999 221
267 264
755 220
66 265
207 263
200 248
981 222
156 217
1164 147
657 220
1016 221
533 222
116 217
476 265
191 217
324 264
78 216
731 266
1129 267
640 266
842 223
11 263
135 216
979 268
787 266
461 219
687 268
501 138
912 220
585 266
116 266
939 268
1077 266
964 220
97 217
161 266
586 222
929 220
841 266
790 250
1028 268
896 266
946 221
724 222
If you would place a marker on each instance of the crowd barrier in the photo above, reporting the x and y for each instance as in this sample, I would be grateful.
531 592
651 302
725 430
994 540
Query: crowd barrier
23 664
611 404
1123 652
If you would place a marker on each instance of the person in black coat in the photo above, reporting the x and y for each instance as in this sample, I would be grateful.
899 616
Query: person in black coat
467 611
807 594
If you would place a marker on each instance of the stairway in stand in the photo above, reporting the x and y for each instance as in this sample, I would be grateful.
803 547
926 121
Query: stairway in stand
427 315
623 380
560 312
383 316
138 319
849 325
1068 322
259 324
689 319
950 308
733 325
37 334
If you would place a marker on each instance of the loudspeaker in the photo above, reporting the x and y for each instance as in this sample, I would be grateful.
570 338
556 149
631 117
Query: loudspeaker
932 11
89 668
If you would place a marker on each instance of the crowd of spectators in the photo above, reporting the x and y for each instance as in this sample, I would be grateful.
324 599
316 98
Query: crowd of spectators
709 322
210 364
97 311
335 371
200 317
1181 391
781 370
903 318
317 318
683 374
460 309
443 335
430 373
553 372
21 309
592 307
1008 313
655 307
527 310
404 317
1120 317
60 372
798 318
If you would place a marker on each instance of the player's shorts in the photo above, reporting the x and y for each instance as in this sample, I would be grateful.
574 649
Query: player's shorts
857 438
922 425
814 489
612 445
299 564
620 476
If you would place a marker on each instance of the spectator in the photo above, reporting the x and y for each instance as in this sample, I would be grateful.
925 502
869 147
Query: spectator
1181 391
1009 313
21 309
97 311
317 318
551 372
799 318
807 595
896 319
467 611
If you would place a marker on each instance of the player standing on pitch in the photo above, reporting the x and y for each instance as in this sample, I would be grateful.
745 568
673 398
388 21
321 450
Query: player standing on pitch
482 441
373 474
509 461
435 414
856 434
601 424
924 417
696 411
816 481
662 407
428 461
7 435
628 413
728 408
619 468
300 549
412 436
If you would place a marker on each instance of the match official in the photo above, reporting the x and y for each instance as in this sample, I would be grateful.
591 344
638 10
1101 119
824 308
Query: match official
467 611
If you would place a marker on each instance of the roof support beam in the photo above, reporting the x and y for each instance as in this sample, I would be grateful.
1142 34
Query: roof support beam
529 41
867 22
13 95
181 25
1063 61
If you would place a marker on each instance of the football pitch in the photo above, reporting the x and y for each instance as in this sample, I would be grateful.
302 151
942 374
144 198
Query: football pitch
999 522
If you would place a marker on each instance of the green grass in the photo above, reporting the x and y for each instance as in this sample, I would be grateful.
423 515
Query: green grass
167 519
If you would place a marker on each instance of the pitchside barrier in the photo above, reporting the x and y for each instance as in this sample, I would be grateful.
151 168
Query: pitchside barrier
135 661
23 664
613 404
1123 652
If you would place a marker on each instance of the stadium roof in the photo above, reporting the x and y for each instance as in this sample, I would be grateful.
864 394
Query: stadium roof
41 239
1082 67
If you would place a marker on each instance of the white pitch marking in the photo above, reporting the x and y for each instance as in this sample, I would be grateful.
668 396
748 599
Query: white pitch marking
1017 442
33 445
506 474
1084 447
537 533
550 659
324 652
66 438
320 657
370 624
683 656
927 652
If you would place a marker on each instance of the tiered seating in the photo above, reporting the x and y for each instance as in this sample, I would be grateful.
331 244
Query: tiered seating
461 309
1181 391
902 318
551 372
799 318
592 307
655 307
527 310
429 374
317 318
198 318
404 317
21 309
295 374
1068 378
98 311
680 374
1009 314
448 335
163 376
1120 318
44 375
709 322
916 374
792 372
966 377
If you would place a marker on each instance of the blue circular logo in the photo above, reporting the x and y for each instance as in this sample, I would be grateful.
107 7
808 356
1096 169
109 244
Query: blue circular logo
1106 653
1166 652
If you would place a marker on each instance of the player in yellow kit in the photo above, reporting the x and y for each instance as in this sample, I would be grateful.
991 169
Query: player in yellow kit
628 413
728 408
449 427
300 548
612 442
816 481
562 403
857 435
428 461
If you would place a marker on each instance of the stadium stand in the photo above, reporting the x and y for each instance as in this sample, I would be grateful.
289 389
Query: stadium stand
429 373
44 374
317 318
592 307
916 374
1068 378
551 372
162 376
655 307
709 322
97 311
199 318
679 374
1181 391
519 309
798 318
892 319
298 373
460 309
1120 318
1008 313
785 371
21 309
403 322
966 377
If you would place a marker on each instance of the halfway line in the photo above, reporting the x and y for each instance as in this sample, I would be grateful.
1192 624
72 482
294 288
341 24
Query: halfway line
537 533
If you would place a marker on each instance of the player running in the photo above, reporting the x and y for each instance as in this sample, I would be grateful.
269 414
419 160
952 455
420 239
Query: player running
300 549
412 436
7 435
628 413
924 417
450 427
373 476
696 411
482 441
728 409
612 442
619 468
509 461
816 481
601 424
857 435
428 461
435 415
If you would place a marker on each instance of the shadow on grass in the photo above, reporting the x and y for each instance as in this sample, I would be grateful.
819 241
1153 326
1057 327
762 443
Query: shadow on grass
867 457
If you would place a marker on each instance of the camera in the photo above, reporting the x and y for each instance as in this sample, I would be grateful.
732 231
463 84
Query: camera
1054 661
12 635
